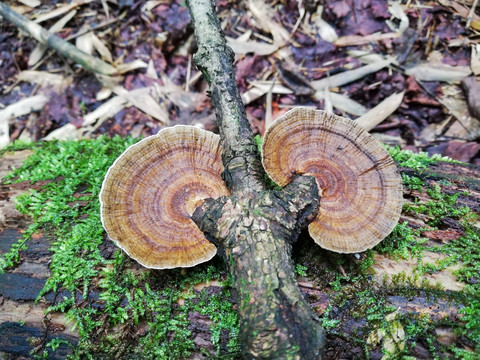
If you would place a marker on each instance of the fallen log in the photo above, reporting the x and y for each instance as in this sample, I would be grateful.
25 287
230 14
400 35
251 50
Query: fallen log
405 296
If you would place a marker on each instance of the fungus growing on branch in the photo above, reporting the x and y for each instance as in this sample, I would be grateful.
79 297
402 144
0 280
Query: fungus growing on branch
151 190
360 186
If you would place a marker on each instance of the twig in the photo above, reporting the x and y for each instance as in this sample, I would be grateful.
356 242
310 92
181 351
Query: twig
471 13
189 73
63 47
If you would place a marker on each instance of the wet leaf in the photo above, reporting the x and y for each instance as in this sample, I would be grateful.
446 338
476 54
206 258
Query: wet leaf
471 86
340 8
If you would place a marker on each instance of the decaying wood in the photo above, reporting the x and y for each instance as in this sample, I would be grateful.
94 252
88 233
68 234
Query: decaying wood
462 178
24 327
251 226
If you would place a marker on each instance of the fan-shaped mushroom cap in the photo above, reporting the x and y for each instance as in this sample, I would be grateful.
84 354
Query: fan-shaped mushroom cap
361 188
151 190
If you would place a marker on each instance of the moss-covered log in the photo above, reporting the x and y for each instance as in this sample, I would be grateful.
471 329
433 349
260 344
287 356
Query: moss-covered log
17 306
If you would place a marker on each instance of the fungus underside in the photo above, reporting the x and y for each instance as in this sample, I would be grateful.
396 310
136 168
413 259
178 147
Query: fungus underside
130 298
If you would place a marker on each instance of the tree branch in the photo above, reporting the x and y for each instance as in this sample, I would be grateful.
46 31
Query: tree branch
254 228
243 169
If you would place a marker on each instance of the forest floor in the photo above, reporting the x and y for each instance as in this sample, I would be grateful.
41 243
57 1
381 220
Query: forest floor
282 50
417 295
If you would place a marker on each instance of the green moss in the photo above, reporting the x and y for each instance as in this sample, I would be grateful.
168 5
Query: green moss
413 182
353 294
150 310
300 270
259 141
404 242
99 294
415 161
466 251
379 323
440 206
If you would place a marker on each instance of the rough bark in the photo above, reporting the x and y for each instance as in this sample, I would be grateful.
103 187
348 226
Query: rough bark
243 169
461 176
256 235
254 228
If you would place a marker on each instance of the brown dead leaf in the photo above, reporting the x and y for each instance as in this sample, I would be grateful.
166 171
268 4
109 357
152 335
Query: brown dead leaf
294 79
417 95
20 108
349 75
54 82
260 88
85 43
462 151
255 47
475 59
151 4
66 132
105 111
396 9
60 10
101 48
340 8
31 3
133 65
152 73
341 102
466 127
438 72
463 12
145 99
380 112
367 57
325 30
263 13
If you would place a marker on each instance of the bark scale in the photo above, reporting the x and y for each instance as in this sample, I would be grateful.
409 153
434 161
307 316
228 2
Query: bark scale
254 229
255 235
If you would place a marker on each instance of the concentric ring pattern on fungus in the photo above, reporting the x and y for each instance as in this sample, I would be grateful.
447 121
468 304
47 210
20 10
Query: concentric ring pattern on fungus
360 186
151 190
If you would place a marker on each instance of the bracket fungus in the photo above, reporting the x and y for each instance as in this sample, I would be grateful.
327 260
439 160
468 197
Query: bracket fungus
151 190
361 188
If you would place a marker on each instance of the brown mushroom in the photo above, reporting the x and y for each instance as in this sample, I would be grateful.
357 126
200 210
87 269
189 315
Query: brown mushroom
151 190
360 186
